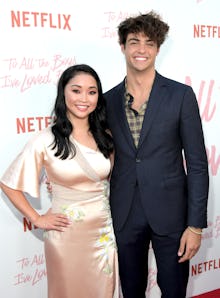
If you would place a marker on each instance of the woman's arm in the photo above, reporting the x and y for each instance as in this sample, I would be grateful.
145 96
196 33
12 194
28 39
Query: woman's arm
48 221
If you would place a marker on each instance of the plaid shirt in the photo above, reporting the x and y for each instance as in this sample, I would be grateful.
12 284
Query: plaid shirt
134 118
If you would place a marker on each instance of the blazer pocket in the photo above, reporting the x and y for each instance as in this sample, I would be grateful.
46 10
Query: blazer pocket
175 182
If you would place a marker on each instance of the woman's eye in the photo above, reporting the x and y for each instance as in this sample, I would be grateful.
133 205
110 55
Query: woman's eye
92 92
76 91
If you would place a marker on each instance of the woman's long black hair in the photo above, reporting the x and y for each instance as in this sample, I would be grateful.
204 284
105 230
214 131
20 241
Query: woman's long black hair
62 127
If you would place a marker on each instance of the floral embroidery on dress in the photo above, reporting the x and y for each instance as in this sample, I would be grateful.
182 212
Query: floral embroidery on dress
105 243
106 240
106 205
73 213
106 190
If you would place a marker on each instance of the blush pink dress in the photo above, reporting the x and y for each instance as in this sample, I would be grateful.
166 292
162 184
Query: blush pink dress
81 261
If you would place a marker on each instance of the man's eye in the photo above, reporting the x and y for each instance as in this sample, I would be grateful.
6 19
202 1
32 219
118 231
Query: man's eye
150 44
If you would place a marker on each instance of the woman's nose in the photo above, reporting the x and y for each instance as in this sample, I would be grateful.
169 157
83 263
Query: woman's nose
83 97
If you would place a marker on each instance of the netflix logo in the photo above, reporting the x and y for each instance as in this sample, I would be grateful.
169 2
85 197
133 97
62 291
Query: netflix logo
206 31
32 124
40 19
27 225
205 266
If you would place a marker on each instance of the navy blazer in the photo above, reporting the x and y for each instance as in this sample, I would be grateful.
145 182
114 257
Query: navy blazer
172 126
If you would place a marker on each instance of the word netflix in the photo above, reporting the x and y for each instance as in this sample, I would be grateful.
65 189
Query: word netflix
40 19
206 31
32 124
205 266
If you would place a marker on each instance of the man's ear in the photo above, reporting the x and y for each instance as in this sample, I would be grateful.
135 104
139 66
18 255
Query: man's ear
122 48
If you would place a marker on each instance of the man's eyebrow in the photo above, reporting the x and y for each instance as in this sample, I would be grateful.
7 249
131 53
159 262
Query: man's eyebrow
133 38
137 39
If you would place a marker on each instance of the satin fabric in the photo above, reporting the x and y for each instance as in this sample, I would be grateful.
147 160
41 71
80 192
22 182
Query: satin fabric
82 260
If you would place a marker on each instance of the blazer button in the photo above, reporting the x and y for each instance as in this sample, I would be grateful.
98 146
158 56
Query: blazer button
138 160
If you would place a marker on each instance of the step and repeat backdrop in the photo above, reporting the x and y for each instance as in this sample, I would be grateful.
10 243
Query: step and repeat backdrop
39 39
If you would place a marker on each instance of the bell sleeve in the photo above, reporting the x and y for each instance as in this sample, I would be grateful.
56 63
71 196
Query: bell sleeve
25 171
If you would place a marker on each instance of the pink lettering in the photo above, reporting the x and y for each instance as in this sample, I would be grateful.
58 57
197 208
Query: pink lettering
208 112
213 160
38 276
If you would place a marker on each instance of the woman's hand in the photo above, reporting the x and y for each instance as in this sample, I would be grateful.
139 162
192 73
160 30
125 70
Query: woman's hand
52 221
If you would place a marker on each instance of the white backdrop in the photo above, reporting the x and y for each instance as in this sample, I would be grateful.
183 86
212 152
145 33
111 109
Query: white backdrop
39 39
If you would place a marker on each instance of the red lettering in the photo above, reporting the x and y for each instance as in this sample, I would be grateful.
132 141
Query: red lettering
66 25
194 270
48 121
28 225
15 19
35 14
206 266
20 125
203 31
199 268
43 18
32 124
40 19
25 17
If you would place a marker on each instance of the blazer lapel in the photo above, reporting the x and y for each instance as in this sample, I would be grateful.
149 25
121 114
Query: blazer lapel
121 116
156 97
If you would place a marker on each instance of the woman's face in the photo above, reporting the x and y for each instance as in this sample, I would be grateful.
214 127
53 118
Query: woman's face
81 96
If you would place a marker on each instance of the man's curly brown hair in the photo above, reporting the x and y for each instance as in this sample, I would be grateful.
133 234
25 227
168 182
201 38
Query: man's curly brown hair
150 24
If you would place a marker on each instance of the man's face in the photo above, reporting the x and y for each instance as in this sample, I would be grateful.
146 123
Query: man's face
140 52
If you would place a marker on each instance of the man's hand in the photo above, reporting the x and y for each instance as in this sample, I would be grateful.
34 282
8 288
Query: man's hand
190 243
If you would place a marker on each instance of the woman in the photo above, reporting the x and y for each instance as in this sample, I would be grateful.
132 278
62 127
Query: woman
75 152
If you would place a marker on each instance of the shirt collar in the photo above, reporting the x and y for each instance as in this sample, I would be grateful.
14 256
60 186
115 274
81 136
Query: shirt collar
127 95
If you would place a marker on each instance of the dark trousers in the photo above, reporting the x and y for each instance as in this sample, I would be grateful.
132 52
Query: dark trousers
133 245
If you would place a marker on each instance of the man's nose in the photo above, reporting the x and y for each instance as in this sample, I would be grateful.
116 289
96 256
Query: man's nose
142 48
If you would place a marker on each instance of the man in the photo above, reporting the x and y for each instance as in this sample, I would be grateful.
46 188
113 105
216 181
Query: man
156 128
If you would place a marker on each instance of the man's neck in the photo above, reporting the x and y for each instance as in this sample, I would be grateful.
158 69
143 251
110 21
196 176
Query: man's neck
137 81
139 85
